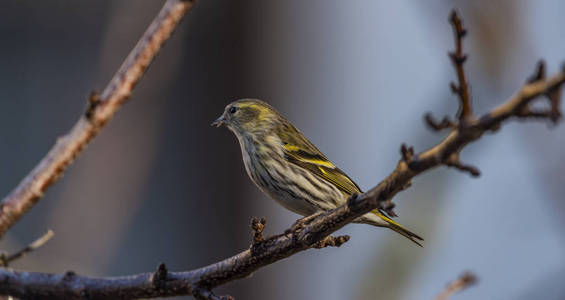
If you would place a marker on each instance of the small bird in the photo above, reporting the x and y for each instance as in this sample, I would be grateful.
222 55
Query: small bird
286 166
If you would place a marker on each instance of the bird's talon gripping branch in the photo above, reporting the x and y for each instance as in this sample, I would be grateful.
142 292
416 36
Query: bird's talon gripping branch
458 59
301 223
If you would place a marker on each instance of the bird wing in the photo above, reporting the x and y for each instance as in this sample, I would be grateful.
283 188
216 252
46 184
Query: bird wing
300 151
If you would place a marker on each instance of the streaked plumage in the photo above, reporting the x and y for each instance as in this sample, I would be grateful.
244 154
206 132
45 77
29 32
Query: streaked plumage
285 165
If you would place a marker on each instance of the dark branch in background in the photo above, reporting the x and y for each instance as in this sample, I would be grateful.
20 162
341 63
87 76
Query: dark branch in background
310 231
100 110
5 259
464 281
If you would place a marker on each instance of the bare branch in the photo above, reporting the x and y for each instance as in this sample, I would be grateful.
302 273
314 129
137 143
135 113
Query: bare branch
306 233
464 281
5 260
458 58
100 110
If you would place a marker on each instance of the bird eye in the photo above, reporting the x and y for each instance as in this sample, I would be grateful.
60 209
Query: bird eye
232 110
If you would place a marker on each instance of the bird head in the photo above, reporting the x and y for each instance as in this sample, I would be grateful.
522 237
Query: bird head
247 116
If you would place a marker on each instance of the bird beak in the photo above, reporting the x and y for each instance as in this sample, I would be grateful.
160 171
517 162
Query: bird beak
219 121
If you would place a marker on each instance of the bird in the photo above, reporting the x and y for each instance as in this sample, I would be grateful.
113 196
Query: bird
288 168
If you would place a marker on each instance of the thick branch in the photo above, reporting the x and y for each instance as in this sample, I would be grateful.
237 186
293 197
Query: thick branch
307 233
100 110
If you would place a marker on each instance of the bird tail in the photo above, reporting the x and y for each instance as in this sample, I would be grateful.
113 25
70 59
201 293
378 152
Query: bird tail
388 222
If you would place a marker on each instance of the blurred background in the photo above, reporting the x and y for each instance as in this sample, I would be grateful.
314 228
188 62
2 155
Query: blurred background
160 185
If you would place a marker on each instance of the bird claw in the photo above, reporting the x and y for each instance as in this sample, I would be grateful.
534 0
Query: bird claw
301 223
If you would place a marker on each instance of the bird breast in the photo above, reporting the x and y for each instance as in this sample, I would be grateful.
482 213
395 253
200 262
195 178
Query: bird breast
293 187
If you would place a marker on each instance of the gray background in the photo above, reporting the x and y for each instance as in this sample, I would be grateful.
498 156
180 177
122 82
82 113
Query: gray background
160 185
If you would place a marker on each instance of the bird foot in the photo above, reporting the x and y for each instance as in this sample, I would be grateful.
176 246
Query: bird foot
301 223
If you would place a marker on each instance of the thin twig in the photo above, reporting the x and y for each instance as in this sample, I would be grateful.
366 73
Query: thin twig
302 236
100 110
5 260
464 281
458 59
